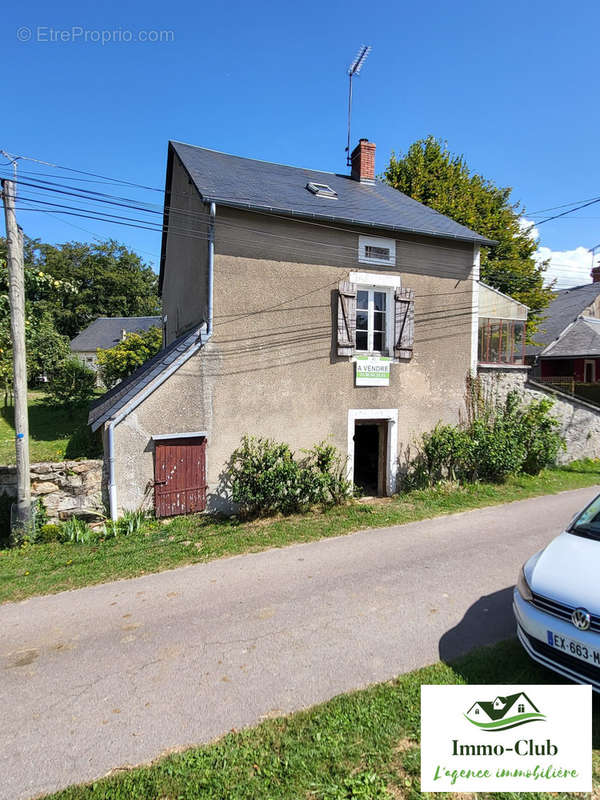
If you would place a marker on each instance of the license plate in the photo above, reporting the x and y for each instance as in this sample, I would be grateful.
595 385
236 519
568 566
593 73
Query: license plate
574 648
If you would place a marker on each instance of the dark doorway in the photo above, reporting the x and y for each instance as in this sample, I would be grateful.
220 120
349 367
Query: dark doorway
370 446
589 372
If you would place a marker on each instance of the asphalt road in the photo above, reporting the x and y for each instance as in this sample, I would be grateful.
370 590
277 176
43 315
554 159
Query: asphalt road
118 673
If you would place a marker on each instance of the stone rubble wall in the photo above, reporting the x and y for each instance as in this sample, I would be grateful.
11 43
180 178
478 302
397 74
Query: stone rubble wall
67 488
579 421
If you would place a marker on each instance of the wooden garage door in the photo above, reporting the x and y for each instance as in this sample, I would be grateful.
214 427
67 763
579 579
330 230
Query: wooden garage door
179 476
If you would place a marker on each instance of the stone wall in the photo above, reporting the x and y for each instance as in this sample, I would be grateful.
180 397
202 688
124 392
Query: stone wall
67 488
579 421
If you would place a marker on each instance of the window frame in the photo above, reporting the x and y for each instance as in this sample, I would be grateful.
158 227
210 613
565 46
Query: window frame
388 349
376 241
484 341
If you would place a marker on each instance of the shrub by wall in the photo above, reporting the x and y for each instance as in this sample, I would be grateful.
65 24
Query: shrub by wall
498 438
265 477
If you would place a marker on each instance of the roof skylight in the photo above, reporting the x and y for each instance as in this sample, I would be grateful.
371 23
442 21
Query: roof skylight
321 189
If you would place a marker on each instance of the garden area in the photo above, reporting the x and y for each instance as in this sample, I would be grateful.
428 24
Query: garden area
78 556
56 432
502 451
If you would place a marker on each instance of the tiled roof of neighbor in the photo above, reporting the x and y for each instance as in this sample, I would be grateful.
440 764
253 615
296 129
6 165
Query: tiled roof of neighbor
260 185
567 305
117 398
581 338
105 332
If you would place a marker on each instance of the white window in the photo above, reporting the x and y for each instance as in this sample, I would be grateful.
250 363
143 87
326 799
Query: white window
373 312
375 250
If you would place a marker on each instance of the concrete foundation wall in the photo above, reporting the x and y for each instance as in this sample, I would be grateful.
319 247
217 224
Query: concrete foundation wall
271 367
579 421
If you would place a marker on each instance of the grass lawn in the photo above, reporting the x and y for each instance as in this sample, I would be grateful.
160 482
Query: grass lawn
359 745
55 433
46 568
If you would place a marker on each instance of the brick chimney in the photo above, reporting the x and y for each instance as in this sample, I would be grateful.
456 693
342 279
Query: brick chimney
363 161
596 274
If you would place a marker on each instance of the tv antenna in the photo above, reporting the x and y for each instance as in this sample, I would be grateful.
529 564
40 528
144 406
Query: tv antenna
354 69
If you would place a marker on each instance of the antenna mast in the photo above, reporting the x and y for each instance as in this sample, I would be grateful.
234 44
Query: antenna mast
354 69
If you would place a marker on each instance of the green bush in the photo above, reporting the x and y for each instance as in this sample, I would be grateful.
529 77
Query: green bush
541 437
72 384
500 438
49 533
77 531
266 478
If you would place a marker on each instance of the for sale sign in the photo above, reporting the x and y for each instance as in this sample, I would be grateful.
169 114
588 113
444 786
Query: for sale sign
372 370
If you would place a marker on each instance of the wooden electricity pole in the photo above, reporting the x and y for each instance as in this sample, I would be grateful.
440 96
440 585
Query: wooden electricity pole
16 289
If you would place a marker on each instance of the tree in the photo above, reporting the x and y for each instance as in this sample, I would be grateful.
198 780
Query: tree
429 173
72 384
107 278
111 281
46 348
118 362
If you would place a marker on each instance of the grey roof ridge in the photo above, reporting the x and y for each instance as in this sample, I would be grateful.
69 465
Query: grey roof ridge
554 342
259 160
502 294
139 316
150 373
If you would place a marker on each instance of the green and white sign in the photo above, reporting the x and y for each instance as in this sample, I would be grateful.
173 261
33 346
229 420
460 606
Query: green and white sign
373 370
490 738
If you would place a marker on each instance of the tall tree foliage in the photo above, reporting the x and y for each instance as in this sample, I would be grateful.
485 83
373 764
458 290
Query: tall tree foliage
118 362
429 173
109 280
46 347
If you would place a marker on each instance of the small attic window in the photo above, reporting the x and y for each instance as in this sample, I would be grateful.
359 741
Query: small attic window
321 189
375 250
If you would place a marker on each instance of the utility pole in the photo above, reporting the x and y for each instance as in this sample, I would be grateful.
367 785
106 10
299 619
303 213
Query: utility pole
16 288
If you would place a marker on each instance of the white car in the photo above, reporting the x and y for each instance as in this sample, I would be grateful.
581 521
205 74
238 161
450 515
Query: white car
557 601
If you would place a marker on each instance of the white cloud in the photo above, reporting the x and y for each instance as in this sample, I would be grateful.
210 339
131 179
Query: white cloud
569 267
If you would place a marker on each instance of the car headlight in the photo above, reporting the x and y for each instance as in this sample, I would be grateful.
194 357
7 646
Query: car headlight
523 587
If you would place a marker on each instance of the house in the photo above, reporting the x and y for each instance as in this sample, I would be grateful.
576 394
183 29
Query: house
485 711
297 305
106 332
567 349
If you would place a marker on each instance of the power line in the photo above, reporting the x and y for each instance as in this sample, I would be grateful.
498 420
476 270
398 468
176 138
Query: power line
144 207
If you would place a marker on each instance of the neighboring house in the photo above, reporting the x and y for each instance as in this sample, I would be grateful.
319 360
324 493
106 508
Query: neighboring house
301 306
106 332
567 346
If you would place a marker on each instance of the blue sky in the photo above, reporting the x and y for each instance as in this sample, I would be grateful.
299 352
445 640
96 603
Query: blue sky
511 85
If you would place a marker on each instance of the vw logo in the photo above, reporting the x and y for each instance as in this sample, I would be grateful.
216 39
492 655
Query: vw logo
581 619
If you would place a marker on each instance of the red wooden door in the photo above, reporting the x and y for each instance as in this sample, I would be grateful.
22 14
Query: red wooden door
179 476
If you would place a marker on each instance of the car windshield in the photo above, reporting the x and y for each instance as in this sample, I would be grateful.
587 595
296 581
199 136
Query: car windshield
588 522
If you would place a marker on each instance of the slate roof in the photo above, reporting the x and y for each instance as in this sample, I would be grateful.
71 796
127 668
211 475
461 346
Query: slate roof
105 332
120 395
581 338
260 185
567 305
